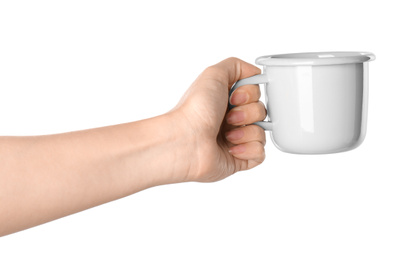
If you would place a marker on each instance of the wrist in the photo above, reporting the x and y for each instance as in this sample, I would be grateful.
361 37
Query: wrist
183 146
193 146
165 147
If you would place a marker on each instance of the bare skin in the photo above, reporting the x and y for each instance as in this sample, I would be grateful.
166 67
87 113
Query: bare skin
43 178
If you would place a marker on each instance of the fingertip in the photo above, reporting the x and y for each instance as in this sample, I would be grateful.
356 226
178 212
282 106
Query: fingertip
254 150
237 149
235 135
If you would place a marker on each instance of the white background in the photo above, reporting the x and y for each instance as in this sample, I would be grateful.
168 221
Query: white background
71 65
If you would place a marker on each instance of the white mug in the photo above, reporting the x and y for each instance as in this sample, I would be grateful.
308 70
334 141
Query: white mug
316 102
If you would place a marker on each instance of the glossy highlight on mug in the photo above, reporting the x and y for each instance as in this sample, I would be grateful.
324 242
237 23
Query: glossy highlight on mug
305 90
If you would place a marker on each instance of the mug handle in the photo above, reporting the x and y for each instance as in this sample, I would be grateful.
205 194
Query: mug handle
257 79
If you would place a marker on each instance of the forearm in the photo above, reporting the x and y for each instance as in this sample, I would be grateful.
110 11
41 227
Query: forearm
48 177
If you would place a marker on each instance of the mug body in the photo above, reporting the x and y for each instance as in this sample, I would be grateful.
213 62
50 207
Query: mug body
317 108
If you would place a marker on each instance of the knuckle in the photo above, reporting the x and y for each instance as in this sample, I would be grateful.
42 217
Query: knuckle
261 135
260 131
214 73
259 152
256 147
261 111
232 59
262 157
253 92
256 92
257 131
260 149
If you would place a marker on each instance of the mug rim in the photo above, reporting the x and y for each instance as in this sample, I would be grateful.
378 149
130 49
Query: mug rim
315 58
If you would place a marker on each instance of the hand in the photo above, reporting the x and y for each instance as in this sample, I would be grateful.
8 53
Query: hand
224 142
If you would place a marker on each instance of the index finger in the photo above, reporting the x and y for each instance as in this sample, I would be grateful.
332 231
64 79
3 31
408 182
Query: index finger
230 70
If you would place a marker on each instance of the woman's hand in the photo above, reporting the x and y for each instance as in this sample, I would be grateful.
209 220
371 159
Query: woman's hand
223 142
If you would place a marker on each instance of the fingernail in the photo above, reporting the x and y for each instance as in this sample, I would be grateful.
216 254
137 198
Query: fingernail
235 117
235 134
237 149
239 98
